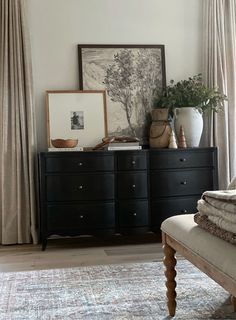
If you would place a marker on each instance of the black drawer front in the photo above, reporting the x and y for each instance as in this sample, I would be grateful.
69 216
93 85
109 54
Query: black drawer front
177 183
132 185
133 214
180 159
164 209
82 187
132 161
80 163
75 217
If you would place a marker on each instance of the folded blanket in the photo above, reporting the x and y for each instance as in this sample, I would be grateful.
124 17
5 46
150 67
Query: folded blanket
220 204
226 195
206 208
209 226
222 223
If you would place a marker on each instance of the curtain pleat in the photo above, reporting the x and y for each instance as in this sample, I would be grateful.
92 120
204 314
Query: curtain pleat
219 70
18 175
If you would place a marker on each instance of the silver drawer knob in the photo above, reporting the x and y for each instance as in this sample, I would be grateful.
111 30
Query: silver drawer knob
80 187
182 159
81 217
183 182
184 211
135 214
80 164
133 162
134 186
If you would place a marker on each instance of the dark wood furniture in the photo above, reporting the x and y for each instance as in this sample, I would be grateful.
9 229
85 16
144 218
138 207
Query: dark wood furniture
108 192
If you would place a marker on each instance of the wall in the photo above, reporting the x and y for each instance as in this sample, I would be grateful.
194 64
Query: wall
57 26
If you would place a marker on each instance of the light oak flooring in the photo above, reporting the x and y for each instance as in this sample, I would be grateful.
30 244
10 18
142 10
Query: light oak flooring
63 253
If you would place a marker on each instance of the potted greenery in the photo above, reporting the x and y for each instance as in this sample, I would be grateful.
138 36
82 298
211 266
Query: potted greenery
187 100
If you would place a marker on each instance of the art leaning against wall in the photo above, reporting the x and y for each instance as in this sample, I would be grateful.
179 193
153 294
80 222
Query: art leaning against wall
131 76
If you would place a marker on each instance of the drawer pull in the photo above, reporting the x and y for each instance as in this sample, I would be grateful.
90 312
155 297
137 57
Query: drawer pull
80 187
81 217
80 164
133 186
133 162
184 211
183 182
135 214
182 159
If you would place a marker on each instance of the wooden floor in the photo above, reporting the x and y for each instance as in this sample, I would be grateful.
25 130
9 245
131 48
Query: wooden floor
62 253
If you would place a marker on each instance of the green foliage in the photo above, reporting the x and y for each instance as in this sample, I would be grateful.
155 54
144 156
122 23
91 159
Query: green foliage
191 93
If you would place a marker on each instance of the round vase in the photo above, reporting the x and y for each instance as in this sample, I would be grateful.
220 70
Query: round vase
192 122
160 129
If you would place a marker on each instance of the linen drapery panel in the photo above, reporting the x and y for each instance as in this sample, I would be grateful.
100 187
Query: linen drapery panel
17 137
219 25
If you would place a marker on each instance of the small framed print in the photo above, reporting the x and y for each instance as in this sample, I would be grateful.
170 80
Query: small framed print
77 114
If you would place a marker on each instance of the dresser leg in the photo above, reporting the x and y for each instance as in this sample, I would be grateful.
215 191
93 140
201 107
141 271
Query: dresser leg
44 244
170 273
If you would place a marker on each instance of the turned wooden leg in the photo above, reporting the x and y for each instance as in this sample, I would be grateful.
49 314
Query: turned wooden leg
170 273
233 300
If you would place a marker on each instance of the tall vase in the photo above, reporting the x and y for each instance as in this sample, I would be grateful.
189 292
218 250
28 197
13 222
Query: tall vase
160 129
192 122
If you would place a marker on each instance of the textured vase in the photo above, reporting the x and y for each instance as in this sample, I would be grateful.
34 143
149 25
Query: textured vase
192 122
160 129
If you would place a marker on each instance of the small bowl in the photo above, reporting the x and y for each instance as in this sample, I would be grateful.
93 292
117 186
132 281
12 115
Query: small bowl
64 143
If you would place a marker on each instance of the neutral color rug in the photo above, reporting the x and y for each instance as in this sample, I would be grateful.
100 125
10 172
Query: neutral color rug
110 292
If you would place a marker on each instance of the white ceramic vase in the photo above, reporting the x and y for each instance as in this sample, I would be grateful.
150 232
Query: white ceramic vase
192 122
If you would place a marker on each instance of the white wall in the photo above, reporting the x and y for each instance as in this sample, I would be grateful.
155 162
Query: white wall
57 26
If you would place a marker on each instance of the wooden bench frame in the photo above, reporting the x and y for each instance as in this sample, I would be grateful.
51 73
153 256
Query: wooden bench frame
170 247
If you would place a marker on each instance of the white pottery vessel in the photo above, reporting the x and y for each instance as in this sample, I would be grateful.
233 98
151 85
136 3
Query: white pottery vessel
192 122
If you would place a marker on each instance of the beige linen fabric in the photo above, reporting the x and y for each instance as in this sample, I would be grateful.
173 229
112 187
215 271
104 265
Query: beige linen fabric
17 136
219 69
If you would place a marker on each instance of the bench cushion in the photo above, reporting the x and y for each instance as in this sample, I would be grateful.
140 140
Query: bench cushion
216 251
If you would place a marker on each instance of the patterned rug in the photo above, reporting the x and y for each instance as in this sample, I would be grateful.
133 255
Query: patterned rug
110 292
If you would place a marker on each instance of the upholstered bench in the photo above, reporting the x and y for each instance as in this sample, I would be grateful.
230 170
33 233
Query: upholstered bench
210 254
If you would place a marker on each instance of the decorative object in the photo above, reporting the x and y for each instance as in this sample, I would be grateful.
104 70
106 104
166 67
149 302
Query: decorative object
191 93
182 140
118 291
191 119
76 115
64 143
132 76
160 129
172 142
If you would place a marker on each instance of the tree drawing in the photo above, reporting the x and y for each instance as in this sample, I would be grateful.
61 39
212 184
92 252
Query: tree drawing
132 79
119 81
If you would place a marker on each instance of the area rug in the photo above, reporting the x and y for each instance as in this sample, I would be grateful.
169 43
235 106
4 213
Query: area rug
110 292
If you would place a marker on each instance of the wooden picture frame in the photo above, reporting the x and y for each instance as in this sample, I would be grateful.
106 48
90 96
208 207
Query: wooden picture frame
76 114
132 75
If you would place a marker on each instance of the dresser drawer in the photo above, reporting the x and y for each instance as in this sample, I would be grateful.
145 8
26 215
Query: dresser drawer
165 208
185 158
131 161
132 185
133 213
180 182
80 162
81 187
82 216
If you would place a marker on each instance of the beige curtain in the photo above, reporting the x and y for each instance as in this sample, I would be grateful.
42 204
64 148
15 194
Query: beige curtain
17 136
219 25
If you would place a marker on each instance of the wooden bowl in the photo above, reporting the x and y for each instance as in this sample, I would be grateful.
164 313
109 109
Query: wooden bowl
64 143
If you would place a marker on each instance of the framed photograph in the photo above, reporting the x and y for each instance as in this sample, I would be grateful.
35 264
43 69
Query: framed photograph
77 115
131 75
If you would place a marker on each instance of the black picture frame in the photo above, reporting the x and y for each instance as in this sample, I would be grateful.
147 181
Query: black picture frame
131 75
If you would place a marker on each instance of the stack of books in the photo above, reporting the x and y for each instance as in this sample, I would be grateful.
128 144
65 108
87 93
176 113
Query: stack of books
66 149
112 146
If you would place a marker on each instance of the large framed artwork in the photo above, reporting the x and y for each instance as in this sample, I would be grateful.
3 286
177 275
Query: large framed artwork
76 114
131 75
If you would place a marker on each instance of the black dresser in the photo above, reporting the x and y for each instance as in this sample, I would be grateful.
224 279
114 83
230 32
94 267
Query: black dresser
108 192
